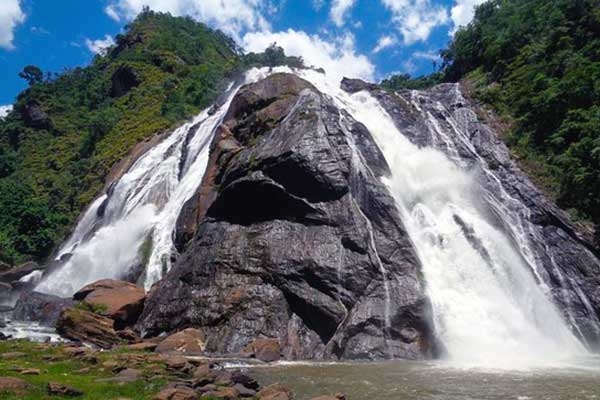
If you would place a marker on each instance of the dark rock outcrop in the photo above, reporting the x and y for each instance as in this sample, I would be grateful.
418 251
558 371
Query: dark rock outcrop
40 307
123 80
294 238
35 117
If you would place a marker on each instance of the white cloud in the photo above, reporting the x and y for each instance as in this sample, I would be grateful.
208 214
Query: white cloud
318 4
111 12
462 12
415 19
11 15
4 110
232 16
99 46
337 57
384 42
427 55
339 9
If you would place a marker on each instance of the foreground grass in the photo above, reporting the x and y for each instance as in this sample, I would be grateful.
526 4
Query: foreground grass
80 373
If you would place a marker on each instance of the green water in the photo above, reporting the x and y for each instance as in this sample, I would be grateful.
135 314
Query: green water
401 380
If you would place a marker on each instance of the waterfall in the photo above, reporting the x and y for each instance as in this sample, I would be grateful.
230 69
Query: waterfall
140 210
491 306
489 310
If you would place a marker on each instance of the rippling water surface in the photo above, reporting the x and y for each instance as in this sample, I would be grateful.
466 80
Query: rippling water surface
401 380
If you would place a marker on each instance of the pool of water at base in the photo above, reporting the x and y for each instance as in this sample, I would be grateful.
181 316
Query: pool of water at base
402 380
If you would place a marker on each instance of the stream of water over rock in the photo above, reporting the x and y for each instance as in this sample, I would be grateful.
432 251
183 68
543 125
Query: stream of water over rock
489 310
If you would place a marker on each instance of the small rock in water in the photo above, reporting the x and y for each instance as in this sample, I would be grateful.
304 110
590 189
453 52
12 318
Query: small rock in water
188 341
58 389
266 350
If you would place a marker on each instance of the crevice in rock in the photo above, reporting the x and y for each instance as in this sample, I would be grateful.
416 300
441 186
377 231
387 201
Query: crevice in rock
249 201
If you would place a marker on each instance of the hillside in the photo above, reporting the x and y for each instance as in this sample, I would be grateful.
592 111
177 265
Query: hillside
68 129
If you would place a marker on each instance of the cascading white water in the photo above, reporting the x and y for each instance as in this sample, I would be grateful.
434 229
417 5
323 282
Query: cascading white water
142 208
488 308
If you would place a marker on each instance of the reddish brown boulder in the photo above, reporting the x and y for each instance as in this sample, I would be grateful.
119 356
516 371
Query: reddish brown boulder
267 350
275 392
85 326
118 300
222 393
177 393
189 341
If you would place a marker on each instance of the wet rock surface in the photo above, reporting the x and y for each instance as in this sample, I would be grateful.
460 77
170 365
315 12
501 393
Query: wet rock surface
294 238
40 307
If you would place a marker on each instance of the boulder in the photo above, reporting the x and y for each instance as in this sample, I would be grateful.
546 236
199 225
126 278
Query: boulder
85 326
13 385
222 393
59 389
5 293
177 393
121 301
30 371
126 375
189 341
16 273
123 80
40 307
267 350
275 392
35 117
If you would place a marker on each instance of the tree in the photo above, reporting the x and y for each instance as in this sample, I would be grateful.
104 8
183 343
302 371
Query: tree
32 75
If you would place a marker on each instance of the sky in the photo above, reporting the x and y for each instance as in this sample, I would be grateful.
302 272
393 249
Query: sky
368 39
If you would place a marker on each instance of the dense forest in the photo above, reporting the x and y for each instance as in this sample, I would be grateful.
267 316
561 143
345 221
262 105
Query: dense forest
67 130
537 63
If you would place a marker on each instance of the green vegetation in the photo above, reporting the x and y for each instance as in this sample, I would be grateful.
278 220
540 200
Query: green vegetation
67 130
537 62
405 81
82 373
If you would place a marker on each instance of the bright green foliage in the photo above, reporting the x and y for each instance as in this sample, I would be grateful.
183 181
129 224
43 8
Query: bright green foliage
74 372
49 173
539 62
169 68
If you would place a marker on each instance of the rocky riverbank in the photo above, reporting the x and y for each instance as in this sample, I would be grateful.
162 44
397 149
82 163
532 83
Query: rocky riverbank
31 370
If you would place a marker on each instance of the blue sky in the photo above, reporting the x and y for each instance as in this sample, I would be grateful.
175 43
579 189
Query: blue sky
369 39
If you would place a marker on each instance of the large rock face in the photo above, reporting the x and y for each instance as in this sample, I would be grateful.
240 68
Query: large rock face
294 238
